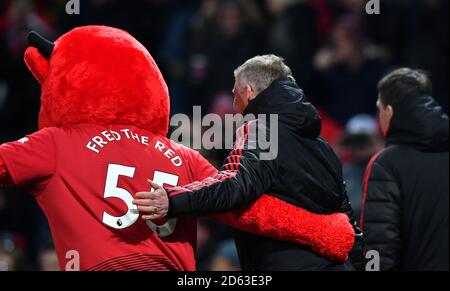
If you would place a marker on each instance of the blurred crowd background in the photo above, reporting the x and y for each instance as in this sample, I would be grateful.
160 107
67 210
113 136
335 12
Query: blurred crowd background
337 52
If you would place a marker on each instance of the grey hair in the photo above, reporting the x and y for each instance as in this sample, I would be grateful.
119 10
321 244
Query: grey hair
260 71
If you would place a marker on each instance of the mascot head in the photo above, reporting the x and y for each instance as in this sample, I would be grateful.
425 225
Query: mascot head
98 75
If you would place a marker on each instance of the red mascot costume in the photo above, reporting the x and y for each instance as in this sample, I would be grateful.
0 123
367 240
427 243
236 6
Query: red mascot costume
103 124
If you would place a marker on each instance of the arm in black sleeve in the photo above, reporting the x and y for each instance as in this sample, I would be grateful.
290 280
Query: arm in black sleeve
381 217
241 180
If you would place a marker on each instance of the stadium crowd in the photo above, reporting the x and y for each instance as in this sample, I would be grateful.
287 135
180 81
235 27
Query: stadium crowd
337 52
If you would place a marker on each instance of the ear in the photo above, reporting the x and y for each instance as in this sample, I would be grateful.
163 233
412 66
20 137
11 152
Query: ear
37 56
37 64
249 92
390 111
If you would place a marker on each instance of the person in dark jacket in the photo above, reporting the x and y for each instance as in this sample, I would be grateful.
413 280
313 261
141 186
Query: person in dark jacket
304 171
405 205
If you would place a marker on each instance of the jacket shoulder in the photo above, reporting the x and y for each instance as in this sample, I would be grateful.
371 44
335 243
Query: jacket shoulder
388 157
380 178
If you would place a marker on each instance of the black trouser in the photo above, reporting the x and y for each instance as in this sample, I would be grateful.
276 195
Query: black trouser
258 253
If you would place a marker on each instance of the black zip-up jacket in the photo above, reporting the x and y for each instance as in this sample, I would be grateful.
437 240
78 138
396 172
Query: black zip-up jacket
305 172
405 206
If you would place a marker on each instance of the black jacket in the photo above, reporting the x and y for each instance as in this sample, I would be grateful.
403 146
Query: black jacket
305 172
405 209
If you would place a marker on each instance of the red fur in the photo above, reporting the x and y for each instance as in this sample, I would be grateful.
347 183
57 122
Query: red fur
37 64
329 235
102 75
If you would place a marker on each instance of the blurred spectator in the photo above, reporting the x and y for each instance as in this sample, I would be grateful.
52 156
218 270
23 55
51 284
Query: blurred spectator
360 142
226 258
11 256
337 52
17 19
211 245
172 53
425 42
297 30
294 34
348 77
24 221
7 262
48 260
224 35
332 131
17 87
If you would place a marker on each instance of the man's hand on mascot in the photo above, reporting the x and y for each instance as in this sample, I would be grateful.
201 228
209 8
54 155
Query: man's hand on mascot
152 205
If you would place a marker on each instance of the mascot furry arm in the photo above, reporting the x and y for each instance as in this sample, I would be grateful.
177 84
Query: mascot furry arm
329 235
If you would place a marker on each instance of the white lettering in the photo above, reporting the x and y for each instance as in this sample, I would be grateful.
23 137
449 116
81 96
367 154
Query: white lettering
135 136
126 132
91 146
169 153
176 161
116 135
160 146
188 281
107 135
98 140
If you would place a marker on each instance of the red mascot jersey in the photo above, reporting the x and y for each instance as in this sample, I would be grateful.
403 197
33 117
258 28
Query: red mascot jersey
85 177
